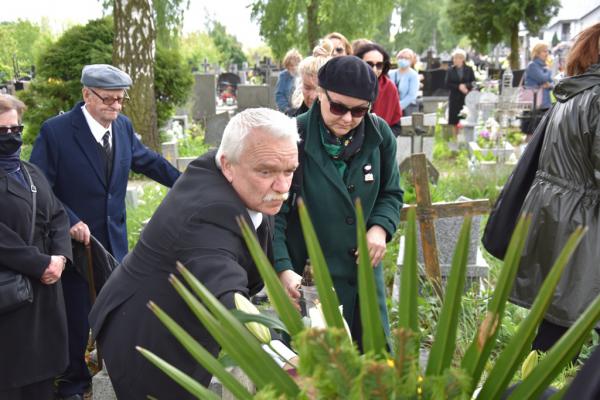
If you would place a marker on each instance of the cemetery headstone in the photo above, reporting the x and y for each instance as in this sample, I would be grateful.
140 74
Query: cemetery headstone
251 96
417 136
183 162
102 386
215 126
204 96
435 83
273 77
169 151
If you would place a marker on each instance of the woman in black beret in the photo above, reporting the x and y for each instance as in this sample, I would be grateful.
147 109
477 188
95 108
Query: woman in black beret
347 153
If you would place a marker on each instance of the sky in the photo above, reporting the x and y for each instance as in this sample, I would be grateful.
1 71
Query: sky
61 14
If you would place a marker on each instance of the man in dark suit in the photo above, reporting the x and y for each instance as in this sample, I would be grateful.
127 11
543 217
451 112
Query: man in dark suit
249 176
87 154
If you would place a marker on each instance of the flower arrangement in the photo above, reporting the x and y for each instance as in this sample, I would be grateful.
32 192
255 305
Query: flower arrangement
330 365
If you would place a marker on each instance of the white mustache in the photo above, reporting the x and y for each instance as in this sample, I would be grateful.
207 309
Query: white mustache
276 197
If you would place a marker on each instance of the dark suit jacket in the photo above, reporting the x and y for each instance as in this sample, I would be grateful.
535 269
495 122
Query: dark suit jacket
195 224
68 154
33 345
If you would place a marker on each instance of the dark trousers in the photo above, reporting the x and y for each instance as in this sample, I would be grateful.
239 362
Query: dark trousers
39 391
76 379
548 334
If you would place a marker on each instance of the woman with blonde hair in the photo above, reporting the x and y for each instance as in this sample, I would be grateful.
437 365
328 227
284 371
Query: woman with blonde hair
285 82
306 91
341 45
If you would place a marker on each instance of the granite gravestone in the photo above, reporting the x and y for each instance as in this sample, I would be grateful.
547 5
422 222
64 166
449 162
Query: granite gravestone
215 126
204 96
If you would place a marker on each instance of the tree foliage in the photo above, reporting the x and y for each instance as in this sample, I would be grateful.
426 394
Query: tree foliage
196 47
423 24
57 86
300 23
24 40
491 22
227 44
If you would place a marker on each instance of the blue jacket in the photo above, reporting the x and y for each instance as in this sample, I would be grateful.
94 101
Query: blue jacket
408 86
536 74
284 90
68 154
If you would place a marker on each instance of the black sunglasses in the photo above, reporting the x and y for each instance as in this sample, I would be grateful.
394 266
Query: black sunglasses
340 109
378 65
109 101
11 129
339 50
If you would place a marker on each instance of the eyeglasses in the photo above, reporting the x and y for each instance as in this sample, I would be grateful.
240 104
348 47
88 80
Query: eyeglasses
109 101
378 65
11 129
339 50
340 109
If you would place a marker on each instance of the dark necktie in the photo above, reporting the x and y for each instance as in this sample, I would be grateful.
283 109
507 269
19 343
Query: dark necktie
106 145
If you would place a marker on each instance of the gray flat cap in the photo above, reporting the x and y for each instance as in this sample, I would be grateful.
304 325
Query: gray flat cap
104 76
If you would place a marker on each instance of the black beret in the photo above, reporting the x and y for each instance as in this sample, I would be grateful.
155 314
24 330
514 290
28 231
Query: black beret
104 76
350 76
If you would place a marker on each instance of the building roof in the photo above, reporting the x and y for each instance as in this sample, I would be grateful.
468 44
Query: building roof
573 10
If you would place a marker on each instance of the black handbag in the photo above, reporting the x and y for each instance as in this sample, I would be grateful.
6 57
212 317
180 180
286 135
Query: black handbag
506 210
15 288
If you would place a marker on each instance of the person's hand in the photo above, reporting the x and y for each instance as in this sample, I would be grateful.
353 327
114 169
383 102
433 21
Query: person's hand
463 88
291 281
54 270
80 232
376 243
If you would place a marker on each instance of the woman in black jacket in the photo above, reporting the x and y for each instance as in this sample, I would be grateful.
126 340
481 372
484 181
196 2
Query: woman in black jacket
459 79
33 337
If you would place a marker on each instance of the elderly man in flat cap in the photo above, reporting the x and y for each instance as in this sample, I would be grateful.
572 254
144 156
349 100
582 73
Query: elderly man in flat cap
87 154
348 153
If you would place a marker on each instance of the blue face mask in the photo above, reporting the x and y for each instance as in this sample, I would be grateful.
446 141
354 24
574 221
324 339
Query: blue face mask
403 63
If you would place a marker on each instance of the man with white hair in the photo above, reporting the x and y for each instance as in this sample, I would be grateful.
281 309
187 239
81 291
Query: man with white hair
248 176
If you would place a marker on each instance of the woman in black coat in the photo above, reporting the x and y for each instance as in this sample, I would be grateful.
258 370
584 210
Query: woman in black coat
459 79
33 337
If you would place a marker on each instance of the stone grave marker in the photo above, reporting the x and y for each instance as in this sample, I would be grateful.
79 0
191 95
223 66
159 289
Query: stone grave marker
183 162
273 77
251 96
204 103
169 151
215 126
417 137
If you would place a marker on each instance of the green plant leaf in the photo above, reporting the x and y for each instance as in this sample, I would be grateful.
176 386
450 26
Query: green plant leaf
518 347
181 378
200 354
233 336
408 315
267 320
559 355
479 350
444 344
373 336
277 294
327 295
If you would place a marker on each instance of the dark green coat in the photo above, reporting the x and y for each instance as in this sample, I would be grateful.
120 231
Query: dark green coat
330 202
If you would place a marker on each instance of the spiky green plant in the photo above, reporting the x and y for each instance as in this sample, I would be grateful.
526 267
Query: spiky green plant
330 364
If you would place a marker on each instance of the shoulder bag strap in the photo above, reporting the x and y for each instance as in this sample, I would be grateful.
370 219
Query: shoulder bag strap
33 201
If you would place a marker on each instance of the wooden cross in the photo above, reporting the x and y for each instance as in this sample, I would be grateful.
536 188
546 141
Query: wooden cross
427 212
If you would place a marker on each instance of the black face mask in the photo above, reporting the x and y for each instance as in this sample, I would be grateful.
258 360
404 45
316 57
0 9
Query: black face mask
10 143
